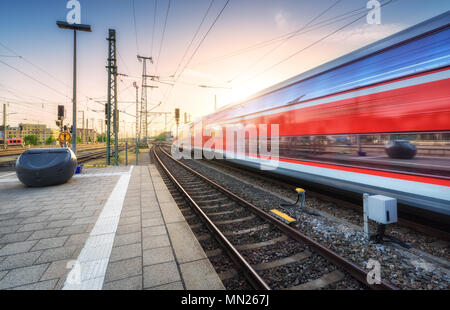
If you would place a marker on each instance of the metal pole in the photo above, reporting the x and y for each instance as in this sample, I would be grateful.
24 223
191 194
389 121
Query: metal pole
83 134
5 136
126 153
137 122
74 120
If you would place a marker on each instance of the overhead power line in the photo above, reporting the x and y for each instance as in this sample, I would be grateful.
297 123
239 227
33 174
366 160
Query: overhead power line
154 24
311 45
204 37
167 95
135 26
158 61
32 78
34 65
284 41
195 35
274 40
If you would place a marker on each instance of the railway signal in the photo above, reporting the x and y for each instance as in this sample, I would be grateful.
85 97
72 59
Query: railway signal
64 137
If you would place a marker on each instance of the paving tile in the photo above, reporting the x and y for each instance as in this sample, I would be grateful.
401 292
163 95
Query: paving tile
127 239
56 270
126 229
133 283
51 255
171 212
151 214
124 269
77 239
130 220
43 285
200 275
174 286
11 222
125 252
35 219
22 276
9 229
74 229
126 214
60 223
19 260
33 226
45 233
160 274
50 243
85 220
15 237
158 221
17 247
186 246
155 242
60 216
157 256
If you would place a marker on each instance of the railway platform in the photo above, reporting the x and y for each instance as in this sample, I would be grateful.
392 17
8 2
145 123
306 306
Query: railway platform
107 228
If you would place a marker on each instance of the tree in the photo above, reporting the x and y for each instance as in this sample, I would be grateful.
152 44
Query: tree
31 140
49 140
101 138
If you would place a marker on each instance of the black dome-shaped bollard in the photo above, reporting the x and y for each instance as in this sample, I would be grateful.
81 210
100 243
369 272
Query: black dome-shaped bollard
401 149
44 167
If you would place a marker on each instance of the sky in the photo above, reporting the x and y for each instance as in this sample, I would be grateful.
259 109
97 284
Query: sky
231 54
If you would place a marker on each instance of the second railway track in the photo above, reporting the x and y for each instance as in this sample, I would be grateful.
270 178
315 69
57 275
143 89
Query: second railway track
269 253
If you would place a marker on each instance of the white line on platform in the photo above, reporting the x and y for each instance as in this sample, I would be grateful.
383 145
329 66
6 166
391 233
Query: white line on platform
8 174
92 262
77 176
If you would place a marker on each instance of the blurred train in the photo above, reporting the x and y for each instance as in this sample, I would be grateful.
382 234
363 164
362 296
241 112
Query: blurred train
12 142
337 121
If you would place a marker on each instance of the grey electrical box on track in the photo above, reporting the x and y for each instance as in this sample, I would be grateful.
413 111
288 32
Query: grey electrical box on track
382 209
45 167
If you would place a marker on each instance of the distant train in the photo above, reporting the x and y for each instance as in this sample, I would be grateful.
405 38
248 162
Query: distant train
338 122
12 142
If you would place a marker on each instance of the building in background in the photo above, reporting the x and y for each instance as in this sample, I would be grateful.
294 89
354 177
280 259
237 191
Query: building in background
87 135
39 130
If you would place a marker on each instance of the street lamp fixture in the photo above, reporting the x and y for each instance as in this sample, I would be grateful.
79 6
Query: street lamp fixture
74 27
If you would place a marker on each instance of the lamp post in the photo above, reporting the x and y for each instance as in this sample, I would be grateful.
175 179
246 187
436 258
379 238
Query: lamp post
74 27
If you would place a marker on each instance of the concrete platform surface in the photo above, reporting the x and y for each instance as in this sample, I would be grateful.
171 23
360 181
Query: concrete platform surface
108 228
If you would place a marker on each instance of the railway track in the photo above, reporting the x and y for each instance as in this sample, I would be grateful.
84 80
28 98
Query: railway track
414 224
267 252
88 154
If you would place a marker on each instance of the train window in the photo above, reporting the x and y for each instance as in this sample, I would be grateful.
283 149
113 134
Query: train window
430 151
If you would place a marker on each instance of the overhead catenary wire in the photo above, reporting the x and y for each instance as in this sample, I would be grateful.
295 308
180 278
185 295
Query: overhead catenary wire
135 26
195 35
310 45
204 37
34 65
158 61
285 40
154 24
32 78
276 39
168 93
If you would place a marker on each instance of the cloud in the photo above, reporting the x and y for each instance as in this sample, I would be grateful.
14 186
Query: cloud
281 19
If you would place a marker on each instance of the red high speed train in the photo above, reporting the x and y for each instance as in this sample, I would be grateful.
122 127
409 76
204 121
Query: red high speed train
12 142
336 120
